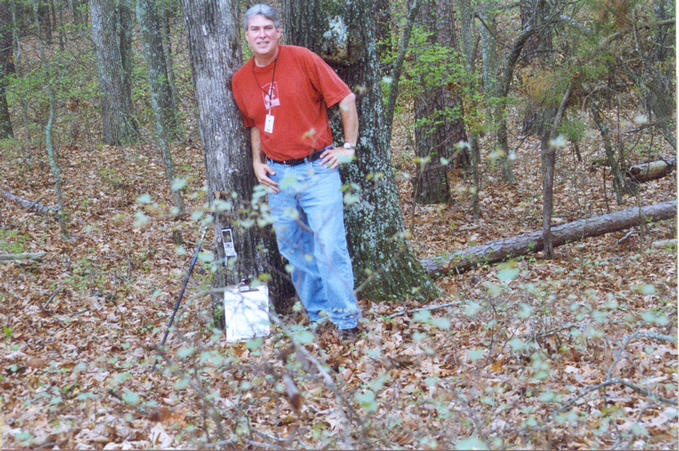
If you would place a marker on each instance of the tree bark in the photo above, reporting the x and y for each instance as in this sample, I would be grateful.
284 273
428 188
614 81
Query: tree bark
6 67
468 33
384 265
438 113
28 204
527 243
619 184
548 150
152 44
112 41
538 50
651 171
51 153
214 46
161 95
398 66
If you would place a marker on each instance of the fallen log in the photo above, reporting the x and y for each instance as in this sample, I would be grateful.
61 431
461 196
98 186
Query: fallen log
12 258
650 171
527 243
27 204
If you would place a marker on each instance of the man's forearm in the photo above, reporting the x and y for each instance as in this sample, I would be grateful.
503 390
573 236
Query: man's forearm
256 146
349 115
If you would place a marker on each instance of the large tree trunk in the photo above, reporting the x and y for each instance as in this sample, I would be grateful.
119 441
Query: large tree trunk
214 45
438 114
384 265
569 232
112 41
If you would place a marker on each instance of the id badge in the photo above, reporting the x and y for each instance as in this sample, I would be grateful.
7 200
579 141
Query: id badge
268 123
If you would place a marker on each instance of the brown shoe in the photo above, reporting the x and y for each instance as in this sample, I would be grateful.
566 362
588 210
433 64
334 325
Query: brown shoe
348 335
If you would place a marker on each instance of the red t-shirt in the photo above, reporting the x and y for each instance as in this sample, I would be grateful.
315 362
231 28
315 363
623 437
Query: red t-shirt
304 86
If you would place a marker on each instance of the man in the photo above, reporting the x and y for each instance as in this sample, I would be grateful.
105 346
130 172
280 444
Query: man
283 93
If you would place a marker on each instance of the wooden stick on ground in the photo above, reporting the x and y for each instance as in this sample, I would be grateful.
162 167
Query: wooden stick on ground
27 204
13 258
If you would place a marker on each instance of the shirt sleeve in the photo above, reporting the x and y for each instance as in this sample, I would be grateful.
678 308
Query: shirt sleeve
237 90
325 79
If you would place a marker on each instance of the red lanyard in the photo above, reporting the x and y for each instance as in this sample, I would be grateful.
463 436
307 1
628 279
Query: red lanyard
273 76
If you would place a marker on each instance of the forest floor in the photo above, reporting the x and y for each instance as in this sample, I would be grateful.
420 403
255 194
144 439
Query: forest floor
576 352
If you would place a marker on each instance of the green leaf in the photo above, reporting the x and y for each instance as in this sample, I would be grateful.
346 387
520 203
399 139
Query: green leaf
367 400
475 354
254 343
185 352
471 443
140 219
144 199
525 311
507 274
206 256
23 436
422 316
289 181
441 323
517 344
472 308
178 184
647 289
131 398
303 337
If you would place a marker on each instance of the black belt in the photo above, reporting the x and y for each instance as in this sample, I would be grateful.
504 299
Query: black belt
296 161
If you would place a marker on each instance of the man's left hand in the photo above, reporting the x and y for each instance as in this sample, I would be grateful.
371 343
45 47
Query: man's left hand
333 157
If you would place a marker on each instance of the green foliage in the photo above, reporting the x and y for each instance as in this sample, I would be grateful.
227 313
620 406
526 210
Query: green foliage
431 65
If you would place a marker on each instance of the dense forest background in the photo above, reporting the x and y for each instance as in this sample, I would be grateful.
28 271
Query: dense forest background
511 215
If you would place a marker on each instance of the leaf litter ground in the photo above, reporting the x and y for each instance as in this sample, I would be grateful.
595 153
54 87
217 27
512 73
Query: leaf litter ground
497 367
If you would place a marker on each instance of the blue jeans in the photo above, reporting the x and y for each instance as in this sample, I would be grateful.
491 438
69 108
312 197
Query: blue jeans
308 217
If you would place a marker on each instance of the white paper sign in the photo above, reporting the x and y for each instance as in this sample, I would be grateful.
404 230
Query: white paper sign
246 312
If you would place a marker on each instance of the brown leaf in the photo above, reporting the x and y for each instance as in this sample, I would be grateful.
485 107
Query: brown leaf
35 362
160 414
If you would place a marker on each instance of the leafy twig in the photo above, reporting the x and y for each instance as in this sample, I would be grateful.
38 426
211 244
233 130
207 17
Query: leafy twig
432 307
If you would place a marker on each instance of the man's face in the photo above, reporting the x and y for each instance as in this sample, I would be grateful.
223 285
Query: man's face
262 36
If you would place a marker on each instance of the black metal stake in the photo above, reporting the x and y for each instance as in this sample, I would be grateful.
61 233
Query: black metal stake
181 293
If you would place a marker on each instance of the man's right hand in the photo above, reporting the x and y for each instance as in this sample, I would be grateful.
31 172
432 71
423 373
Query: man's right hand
262 172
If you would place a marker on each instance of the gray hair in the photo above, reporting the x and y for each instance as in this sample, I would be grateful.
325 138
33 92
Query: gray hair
261 9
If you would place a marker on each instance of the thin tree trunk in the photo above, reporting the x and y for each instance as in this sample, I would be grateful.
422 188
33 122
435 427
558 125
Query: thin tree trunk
161 97
618 177
169 64
469 52
214 46
527 243
51 153
384 265
398 66
548 162
6 67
